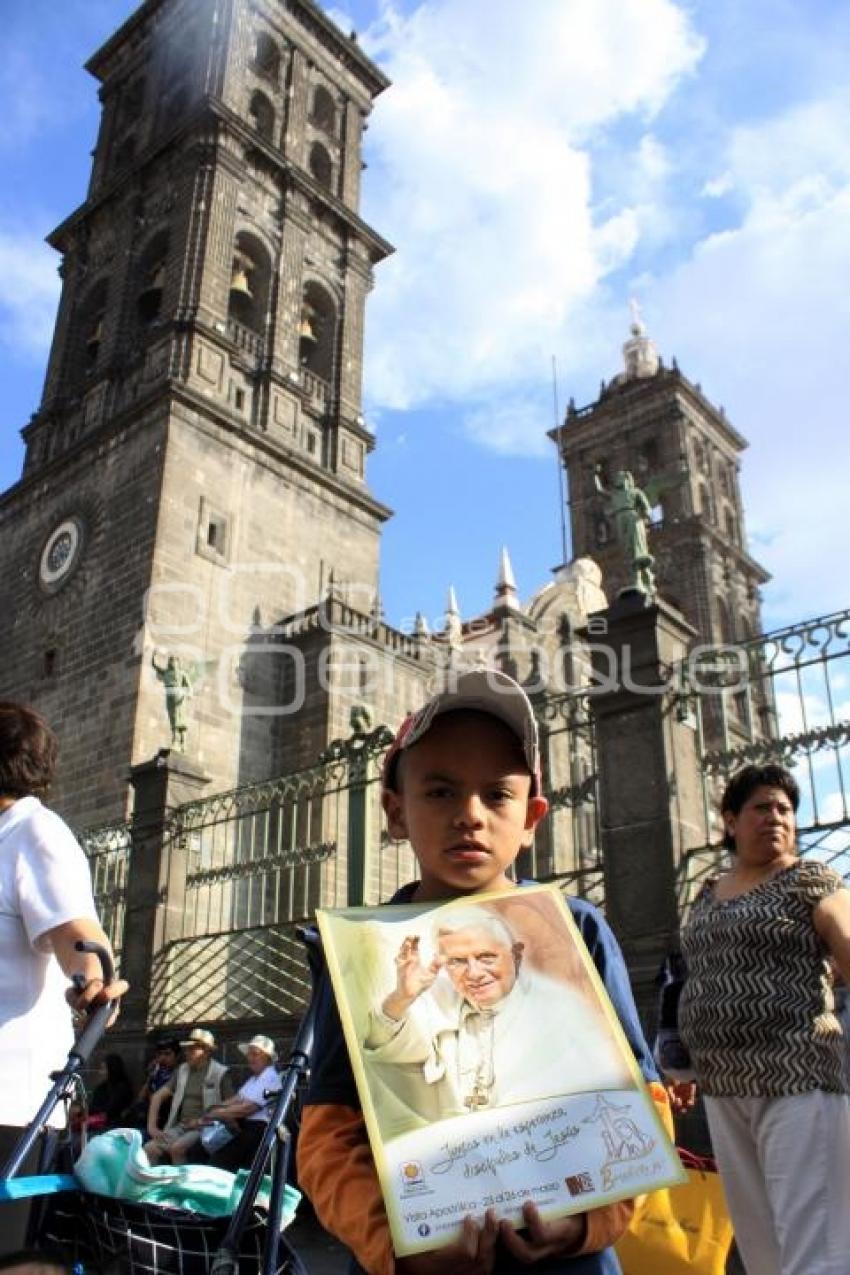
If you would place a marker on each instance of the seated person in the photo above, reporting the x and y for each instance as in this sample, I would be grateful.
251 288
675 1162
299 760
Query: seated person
112 1095
199 1083
247 1110
161 1068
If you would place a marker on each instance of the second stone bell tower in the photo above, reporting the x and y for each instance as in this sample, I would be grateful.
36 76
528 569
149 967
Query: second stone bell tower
653 424
196 468
653 429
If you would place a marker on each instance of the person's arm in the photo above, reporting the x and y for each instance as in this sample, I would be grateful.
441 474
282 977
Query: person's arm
62 939
337 1171
393 1033
235 1108
412 979
153 1110
832 921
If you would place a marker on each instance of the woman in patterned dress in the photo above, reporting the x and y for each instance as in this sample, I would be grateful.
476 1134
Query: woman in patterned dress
757 1016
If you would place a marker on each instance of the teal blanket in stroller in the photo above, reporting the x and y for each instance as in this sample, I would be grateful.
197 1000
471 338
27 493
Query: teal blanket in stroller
114 1164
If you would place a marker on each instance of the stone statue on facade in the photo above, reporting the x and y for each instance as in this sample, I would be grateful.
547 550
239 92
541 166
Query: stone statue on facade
629 509
179 681
361 719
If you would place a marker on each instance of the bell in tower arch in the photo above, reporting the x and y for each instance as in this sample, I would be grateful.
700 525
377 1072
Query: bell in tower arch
240 276
307 332
241 304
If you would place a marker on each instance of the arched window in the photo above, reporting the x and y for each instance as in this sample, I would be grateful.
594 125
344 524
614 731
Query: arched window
317 331
731 526
324 110
151 279
262 116
320 165
249 283
91 330
267 57
648 459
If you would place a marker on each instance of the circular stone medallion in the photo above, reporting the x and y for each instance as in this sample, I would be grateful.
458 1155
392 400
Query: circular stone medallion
61 554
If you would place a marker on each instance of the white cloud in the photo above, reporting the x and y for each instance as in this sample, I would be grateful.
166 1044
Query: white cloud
480 173
29 290
513 427
716 187
759 314
807 143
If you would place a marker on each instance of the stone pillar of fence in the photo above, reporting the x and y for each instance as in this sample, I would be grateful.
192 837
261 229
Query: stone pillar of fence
650 793
157 865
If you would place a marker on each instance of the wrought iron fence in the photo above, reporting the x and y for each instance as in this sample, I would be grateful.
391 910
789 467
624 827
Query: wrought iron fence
108 851
242 869
783 697
567 847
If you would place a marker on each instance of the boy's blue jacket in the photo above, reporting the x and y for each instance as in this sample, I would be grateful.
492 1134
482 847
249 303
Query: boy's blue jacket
332 1084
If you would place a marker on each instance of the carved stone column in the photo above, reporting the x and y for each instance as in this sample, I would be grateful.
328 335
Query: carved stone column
157 871
649 777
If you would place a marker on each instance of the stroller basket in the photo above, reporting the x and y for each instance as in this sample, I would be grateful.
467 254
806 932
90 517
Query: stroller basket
110 1236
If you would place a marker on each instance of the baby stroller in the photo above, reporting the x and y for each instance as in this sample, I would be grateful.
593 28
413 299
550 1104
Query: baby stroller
100 1235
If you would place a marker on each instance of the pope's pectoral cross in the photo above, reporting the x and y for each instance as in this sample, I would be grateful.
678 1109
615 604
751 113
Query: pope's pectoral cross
478 1098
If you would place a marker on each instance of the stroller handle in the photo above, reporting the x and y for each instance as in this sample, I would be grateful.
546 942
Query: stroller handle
89 945
312 940
98 1018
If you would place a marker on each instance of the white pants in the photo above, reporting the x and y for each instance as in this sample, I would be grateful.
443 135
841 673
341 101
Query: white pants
785 1165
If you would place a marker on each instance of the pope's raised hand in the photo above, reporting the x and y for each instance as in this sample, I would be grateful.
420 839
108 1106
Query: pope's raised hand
412 978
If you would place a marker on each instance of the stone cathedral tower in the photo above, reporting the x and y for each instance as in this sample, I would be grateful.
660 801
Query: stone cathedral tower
196 468
652 421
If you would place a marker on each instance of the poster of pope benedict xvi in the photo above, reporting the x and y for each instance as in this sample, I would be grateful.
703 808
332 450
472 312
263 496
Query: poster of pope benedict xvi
489 1062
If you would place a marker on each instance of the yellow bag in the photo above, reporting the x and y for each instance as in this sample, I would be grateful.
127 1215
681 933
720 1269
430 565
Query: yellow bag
681 1230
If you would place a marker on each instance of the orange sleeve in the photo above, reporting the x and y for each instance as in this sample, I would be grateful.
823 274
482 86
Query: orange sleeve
607 1224
337 1171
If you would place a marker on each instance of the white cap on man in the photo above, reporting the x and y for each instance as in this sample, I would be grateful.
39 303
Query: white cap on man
265 1044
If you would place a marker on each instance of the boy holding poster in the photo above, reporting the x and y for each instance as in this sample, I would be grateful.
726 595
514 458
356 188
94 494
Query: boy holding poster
461 783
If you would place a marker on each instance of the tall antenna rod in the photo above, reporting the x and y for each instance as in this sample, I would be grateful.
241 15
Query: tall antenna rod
561 495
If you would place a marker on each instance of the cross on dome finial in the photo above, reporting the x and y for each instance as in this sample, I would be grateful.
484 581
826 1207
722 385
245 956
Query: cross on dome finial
639 352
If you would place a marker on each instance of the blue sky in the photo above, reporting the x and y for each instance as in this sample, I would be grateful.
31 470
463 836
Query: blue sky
536 165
